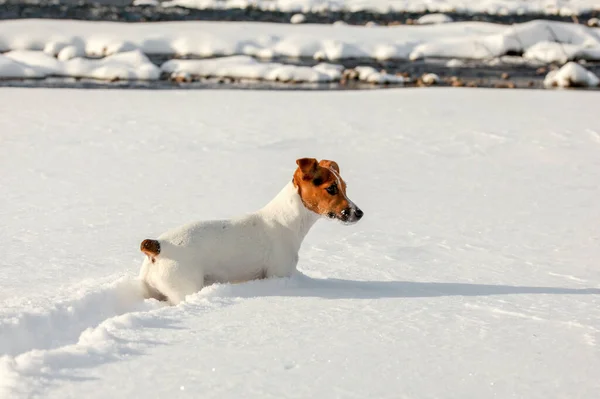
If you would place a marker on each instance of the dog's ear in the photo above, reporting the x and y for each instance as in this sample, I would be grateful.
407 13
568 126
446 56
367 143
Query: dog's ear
330 165
308 167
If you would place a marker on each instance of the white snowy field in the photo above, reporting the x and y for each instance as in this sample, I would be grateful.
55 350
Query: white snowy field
474 273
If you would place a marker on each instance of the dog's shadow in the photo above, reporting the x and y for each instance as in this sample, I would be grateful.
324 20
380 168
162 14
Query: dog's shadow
304 286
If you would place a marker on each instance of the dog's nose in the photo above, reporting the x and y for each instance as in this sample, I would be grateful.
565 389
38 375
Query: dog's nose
358 213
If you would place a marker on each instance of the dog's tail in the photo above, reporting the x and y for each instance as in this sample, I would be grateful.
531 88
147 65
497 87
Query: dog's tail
151 248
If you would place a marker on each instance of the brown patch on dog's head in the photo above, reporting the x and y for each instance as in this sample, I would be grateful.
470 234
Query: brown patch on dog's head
323 191
151 248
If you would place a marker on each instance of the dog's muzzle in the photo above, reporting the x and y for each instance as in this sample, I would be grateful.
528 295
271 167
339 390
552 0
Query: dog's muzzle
351 215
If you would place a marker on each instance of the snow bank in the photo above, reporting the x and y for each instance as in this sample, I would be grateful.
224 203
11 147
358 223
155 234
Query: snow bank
530 37
44 341
36 50
563 7
371 75
474 40
548 52
434 19
132 65
246 67
298 19
430 79
10 69
37 328
571 75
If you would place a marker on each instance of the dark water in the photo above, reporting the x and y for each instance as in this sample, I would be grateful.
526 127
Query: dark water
122 10
470 74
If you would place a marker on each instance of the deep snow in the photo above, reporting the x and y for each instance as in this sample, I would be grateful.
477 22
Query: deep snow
473 273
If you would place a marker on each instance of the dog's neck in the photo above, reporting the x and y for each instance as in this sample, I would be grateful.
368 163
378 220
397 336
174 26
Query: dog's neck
288 211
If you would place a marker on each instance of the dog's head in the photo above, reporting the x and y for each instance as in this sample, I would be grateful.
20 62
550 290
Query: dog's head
323 191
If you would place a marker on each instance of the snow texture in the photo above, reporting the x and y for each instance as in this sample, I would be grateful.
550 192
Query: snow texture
539 40
473 273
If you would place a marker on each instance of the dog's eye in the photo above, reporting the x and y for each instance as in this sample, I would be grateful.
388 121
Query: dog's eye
317 181
333 189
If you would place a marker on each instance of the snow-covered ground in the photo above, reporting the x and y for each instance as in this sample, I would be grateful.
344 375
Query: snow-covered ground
502 7
473 274
571 75
40 48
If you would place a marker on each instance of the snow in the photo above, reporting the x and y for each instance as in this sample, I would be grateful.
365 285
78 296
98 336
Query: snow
454 63
571 75
562 7
465 40
371 75
514 38
473 273
146 3
245 67
131 65
10 68
297 19
435 18
549 52
430 78
70 52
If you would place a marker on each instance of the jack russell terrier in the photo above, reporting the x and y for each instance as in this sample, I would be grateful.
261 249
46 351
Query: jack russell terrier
260 245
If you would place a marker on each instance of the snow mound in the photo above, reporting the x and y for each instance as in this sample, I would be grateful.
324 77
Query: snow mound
371 75
465 40
42 342
436 18
549 52
582 40
146 3
43 327
297 19
132 65
430 79
571 75
245 67
10 68
70 52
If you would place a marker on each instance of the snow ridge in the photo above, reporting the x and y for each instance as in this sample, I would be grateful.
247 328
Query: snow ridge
42 341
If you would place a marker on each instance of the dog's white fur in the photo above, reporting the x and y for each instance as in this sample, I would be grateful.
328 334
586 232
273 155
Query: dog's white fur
262 244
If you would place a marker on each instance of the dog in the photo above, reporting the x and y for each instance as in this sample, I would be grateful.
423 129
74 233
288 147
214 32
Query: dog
259 245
